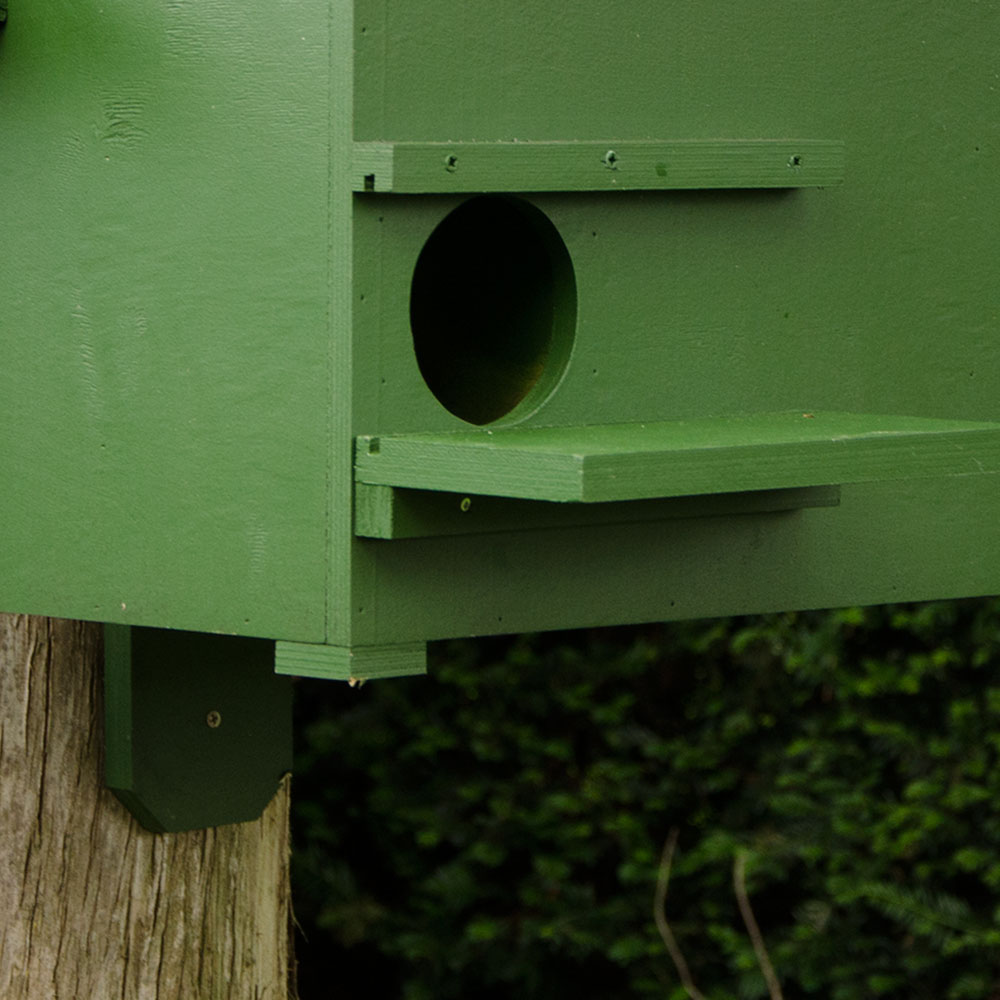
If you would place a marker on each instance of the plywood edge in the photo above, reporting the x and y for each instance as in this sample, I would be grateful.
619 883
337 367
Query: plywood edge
350 663
372 168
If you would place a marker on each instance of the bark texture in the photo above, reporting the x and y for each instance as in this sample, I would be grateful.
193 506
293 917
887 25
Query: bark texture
91 904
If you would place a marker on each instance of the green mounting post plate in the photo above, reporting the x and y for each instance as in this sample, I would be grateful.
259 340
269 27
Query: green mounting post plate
198 727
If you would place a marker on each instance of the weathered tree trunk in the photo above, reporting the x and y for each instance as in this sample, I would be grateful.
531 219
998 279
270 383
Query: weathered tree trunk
91 904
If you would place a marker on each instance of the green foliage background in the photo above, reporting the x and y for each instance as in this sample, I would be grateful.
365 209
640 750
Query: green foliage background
495 830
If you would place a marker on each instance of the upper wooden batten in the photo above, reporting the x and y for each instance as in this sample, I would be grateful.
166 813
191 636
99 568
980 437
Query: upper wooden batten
649 165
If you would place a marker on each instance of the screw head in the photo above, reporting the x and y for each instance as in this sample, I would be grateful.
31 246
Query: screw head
214 719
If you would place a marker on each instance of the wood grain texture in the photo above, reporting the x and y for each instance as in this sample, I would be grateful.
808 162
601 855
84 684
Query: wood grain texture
93 905
612 165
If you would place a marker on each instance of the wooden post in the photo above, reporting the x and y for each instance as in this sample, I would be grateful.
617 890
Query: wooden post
93 905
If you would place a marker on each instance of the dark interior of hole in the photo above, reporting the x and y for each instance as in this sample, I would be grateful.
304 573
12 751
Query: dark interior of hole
482 308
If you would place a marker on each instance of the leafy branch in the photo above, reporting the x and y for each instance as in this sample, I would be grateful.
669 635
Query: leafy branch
746 911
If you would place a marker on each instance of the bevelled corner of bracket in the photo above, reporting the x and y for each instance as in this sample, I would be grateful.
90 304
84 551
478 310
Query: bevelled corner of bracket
350 663
198 730
648 165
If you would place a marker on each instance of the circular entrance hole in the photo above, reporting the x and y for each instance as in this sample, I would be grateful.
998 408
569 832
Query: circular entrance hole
493 309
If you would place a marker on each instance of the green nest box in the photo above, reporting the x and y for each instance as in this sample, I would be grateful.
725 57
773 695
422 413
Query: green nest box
354 325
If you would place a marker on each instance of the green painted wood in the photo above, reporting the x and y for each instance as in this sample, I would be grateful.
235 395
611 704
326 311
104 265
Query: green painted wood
201 315
198 729
354 664
388 512
874 296
336 416
679 458
909 540
164 256
450 167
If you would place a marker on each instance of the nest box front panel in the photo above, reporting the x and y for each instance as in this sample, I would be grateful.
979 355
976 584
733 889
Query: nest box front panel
859 299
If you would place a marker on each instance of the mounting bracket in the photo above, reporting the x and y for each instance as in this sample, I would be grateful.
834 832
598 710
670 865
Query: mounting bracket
198 728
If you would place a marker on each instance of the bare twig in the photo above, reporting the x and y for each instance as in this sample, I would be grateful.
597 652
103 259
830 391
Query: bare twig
659 915
756 938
